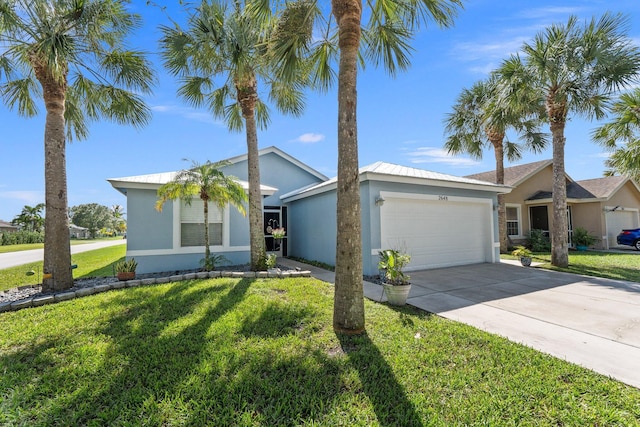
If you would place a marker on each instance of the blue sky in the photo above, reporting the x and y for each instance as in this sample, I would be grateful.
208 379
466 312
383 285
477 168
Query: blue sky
399 120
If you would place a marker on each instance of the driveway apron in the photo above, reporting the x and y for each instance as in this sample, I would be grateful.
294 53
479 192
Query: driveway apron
589 321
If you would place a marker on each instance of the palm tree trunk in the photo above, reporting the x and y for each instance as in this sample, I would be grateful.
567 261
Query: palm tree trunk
559 241
498 150
207 250
247 97
57 253
348 309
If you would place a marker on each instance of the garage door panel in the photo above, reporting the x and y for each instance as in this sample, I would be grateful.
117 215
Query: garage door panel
618 221
437 233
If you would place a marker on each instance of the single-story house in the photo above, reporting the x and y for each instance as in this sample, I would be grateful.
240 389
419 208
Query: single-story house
7 227
77 232
441 220
603 206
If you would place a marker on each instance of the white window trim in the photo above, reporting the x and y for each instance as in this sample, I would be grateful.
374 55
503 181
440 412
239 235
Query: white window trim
519 213
177 248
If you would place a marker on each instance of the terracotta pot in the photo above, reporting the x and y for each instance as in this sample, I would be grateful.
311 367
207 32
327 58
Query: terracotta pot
126 275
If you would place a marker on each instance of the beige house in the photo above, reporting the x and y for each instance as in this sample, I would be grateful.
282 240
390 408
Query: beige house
603 206
7 227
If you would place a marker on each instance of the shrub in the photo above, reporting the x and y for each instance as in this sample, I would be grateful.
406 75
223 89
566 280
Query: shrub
537 241
22 237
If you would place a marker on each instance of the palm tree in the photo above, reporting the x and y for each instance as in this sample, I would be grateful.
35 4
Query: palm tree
232 44
385 36
623 128
30 218
69 54
209 184
576 69
480 119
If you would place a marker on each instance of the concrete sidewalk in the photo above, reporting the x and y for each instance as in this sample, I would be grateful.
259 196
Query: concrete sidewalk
588 321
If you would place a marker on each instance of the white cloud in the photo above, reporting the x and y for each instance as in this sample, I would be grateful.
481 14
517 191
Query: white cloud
438 155
28 197
309 138
603 155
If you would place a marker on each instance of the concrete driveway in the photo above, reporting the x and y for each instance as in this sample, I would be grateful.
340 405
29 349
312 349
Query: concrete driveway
589 321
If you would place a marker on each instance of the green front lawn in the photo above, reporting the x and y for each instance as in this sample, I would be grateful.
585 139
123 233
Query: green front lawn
243 352
29 246
96 263
600 264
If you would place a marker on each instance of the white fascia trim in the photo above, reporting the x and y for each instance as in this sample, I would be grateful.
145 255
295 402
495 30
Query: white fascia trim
574 201
185 251
494 188
609 209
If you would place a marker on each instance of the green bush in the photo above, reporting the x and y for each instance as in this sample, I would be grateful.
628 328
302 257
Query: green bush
537 241
21 237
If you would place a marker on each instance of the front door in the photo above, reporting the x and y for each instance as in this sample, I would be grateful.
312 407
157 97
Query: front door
275 217
539 218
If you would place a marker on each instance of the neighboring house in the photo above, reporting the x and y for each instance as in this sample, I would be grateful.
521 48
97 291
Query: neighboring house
76 232
7 227
603 206
441 220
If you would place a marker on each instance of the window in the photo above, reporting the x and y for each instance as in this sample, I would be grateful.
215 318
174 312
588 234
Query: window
513 221
192 224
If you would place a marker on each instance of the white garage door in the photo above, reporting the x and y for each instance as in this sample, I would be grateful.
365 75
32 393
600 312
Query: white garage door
617 221
438 233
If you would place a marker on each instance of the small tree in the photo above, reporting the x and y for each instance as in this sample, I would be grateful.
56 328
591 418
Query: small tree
30 218
92 216
209 184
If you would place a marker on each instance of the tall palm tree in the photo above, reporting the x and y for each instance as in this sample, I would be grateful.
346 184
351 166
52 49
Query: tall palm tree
480 119
30 218
385 34
576 68
624 128
230 42
209 184
71 55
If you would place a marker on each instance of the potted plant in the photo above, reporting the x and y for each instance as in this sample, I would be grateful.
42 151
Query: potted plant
126 270
524 254
394 281
582 239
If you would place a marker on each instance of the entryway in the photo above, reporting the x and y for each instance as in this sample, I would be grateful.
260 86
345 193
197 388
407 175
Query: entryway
275 217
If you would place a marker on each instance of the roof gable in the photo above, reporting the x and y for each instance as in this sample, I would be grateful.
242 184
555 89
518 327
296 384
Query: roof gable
513 175
605 187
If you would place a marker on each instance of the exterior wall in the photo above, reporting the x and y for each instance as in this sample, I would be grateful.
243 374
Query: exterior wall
542 181
590 217
312 221
153 237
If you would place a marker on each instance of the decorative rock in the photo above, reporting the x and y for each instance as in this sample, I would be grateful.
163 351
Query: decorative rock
285 274
189 276
214 274
226 274
262 274
133 283
118 285
160 280
5 306
64 296
42 300
202 274
177 278
149 281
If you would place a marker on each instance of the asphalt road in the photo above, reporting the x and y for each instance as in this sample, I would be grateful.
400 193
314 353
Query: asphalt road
12 259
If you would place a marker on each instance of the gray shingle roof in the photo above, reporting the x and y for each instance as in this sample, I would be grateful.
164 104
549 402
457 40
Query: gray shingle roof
603 187
513 175
574 191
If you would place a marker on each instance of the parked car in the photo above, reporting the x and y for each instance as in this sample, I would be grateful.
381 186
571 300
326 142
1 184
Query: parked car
630 237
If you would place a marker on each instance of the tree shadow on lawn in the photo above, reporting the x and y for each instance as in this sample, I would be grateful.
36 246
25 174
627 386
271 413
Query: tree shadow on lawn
389 399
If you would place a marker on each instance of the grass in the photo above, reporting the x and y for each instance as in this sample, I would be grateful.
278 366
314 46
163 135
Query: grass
30 246
96 263
262 352
599 264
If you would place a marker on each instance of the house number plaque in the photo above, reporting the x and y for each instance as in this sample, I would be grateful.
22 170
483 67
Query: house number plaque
443 198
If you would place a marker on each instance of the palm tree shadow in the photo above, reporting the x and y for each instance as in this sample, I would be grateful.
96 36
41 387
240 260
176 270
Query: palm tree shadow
388 397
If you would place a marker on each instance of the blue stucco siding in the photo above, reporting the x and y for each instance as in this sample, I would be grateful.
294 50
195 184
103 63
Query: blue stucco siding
147 228
277 172
312 220
177 262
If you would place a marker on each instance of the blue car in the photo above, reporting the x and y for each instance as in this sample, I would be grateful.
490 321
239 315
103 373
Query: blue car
630 237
